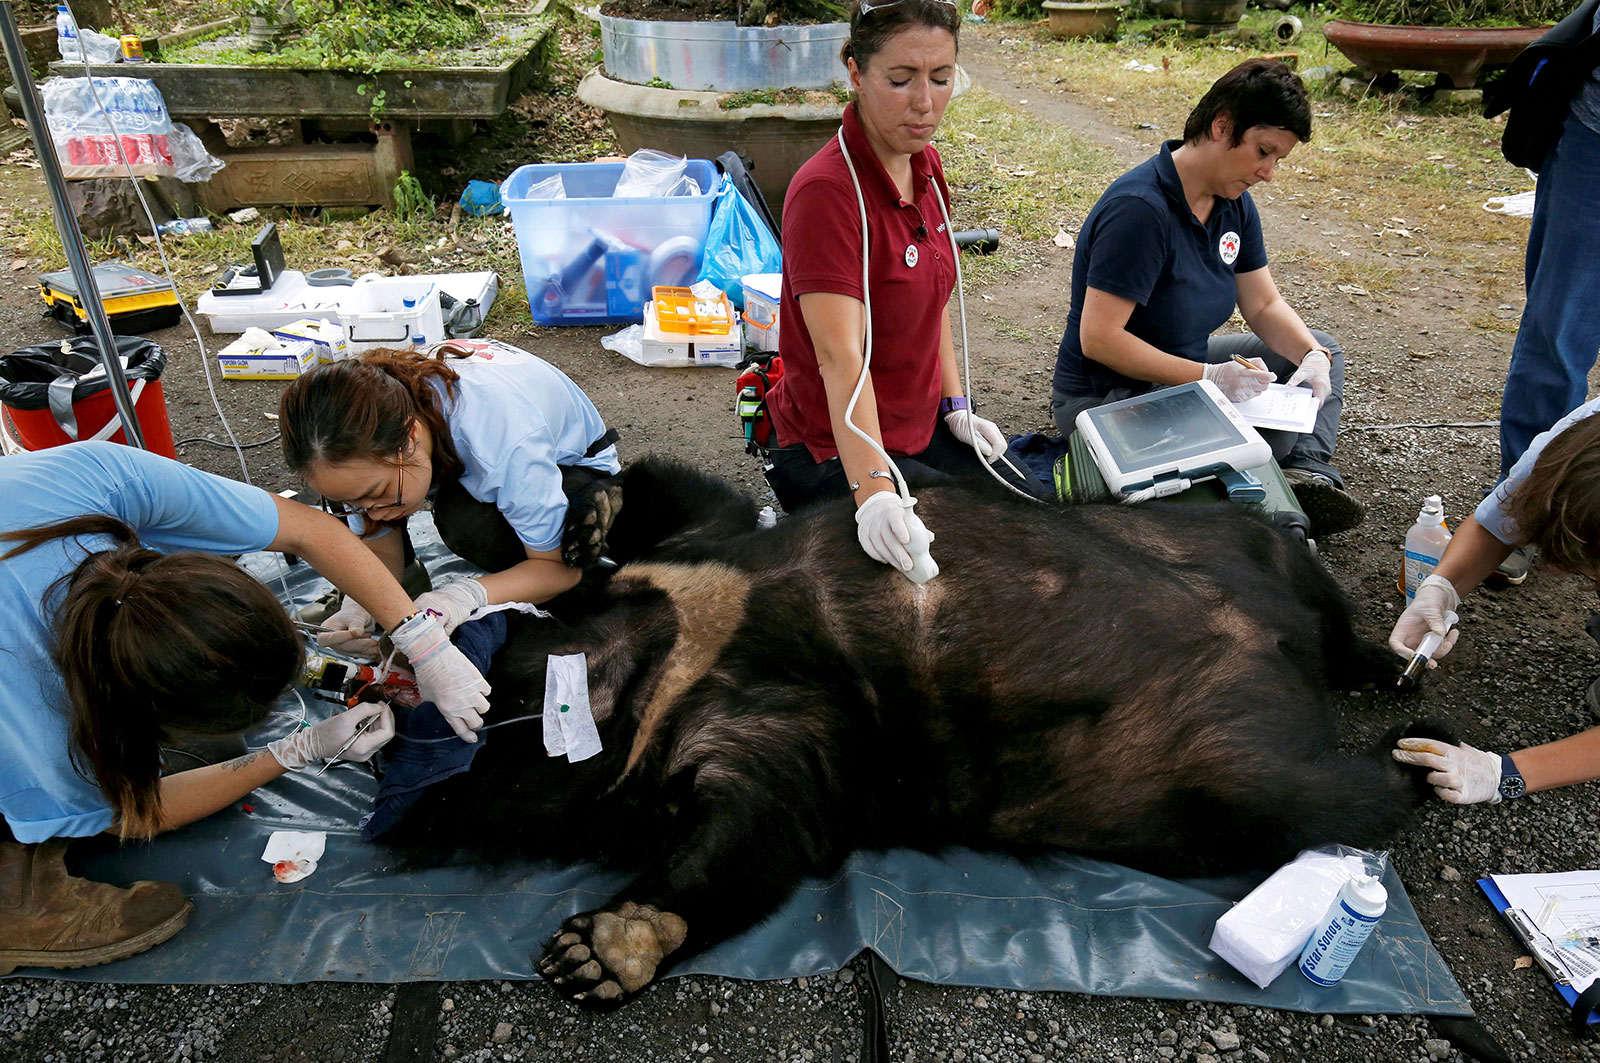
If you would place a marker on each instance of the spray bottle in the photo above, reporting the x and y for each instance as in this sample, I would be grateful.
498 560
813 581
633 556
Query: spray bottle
1356 910
1425 545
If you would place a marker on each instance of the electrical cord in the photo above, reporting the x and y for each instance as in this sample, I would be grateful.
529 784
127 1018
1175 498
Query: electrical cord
227 446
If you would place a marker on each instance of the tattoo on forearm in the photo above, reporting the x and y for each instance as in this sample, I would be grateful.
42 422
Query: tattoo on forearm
240 763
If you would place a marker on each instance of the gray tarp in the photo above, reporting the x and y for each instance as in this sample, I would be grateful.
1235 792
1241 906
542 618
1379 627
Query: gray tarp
1061 922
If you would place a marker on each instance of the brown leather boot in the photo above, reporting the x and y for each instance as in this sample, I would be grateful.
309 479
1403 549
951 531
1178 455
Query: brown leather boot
48 918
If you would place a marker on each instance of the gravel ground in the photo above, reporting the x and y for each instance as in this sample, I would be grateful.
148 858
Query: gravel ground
1516 678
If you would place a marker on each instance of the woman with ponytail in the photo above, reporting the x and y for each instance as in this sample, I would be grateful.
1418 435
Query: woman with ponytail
120 627
497 438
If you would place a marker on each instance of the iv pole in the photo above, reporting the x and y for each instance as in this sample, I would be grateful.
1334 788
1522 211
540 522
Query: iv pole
67 226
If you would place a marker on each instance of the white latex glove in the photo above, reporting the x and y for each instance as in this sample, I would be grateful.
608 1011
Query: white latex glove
1235 381
1313 373
454 601
1461 775
1435 596
311 744
883 527
963 425
350 631
444 675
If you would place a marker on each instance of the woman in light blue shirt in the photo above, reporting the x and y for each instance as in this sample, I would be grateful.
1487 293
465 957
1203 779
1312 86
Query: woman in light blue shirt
119 624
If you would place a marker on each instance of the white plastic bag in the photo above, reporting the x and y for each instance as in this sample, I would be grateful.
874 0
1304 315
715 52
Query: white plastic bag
99 48
649 174
1264 933
549 188
191 162
88 124
629 343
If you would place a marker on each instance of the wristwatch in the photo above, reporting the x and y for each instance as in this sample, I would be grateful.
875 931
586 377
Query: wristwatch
953 403
1512 784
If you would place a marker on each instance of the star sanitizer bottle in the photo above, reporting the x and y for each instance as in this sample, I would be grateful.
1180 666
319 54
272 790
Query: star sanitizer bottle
1425 544
1342 932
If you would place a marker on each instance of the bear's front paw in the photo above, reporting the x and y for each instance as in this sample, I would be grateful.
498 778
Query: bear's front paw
603 958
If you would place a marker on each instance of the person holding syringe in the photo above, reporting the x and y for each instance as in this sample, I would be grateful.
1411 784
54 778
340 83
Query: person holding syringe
1551 500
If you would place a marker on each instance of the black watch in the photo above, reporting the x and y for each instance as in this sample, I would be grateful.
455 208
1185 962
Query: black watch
1512 784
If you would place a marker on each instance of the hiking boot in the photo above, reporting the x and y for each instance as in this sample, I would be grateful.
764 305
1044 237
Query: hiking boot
49 918
1329 507
1514 569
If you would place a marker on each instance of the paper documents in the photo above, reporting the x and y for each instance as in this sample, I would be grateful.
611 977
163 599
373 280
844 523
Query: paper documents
1557 917
1287 409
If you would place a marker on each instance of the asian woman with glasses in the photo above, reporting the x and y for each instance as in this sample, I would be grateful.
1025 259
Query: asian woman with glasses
494 436
120 625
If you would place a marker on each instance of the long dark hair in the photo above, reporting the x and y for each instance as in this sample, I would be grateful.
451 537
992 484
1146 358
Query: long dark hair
362 408
1557 508
148 642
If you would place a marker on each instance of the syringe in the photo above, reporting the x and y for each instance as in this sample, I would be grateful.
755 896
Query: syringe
1425 650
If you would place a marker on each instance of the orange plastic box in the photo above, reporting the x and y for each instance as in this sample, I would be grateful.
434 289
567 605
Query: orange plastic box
679 311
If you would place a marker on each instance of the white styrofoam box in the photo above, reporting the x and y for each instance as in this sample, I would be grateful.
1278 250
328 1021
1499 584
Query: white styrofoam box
682 349
241 360
391 312
289 299
324 335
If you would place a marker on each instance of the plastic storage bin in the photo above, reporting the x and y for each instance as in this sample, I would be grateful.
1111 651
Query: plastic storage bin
390 311
761 294
590 259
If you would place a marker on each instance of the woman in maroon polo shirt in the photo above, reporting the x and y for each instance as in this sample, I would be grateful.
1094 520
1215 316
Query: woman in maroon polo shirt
902 61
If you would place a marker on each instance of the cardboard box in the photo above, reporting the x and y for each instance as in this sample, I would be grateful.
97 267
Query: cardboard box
325 336
241 360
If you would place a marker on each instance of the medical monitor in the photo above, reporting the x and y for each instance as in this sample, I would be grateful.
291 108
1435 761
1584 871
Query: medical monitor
1186 432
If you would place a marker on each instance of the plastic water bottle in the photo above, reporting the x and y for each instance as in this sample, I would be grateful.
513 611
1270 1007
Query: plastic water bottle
67 35
1356 910
1425 544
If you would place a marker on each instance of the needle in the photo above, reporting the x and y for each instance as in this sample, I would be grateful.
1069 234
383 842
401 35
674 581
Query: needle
361 729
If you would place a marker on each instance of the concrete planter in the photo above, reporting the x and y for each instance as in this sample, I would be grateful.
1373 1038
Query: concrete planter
1207 17
1084 21
1459 53
722 56
778 138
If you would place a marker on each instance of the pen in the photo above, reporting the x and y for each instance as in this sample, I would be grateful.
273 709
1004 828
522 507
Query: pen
361 729
1529 934
1248 364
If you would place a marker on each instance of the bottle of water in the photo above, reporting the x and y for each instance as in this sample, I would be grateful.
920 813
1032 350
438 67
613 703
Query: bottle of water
67 35
1425 544
1356 910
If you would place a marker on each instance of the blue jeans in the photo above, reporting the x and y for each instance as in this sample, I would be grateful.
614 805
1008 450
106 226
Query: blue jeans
1560 330
1311 451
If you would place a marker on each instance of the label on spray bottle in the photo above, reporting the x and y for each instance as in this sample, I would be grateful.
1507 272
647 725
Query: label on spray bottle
1342 932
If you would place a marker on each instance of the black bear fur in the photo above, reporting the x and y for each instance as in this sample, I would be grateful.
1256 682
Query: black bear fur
1144 684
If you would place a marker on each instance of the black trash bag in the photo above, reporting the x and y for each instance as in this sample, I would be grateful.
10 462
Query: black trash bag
72 370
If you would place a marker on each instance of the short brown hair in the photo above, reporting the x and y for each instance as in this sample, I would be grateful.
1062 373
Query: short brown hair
873 25
1257 92
1557 508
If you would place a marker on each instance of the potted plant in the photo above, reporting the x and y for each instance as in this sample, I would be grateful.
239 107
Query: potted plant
1382 36
269 20
700 77
1084 19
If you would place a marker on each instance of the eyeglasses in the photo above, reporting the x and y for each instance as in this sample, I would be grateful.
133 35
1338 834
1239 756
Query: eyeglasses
868 8
344 509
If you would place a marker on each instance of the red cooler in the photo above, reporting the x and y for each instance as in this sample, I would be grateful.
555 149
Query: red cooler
57 393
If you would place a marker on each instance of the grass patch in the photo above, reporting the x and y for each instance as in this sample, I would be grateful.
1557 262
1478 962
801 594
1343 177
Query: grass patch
1009 171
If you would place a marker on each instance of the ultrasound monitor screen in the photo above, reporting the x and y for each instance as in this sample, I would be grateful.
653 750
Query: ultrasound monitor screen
1167 427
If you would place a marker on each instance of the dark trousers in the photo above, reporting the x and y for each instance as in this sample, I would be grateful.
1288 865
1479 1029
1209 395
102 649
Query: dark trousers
1560 330
1311 451
798 479
477 532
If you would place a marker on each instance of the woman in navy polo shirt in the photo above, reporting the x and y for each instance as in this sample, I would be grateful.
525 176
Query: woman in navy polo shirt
1168 252
902 61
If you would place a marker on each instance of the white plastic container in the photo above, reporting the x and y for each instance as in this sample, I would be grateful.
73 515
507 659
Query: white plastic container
391 312
291 299
1346 927
67 40
762 292
1425 544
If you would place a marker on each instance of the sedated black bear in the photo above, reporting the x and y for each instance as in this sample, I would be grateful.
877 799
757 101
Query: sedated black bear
1147 685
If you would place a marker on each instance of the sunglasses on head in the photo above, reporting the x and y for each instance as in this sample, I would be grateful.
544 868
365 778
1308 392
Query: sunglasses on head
869 8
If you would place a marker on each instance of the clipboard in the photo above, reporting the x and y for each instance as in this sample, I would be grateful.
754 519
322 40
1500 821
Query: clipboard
1582 1014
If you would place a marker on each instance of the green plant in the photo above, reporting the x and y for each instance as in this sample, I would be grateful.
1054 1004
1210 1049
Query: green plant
658 83
409 198
1454 12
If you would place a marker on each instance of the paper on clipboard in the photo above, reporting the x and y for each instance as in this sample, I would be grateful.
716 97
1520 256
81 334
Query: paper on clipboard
1281 407
1570 904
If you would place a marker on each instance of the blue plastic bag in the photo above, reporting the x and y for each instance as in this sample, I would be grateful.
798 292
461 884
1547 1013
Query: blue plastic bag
737 243
481 197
